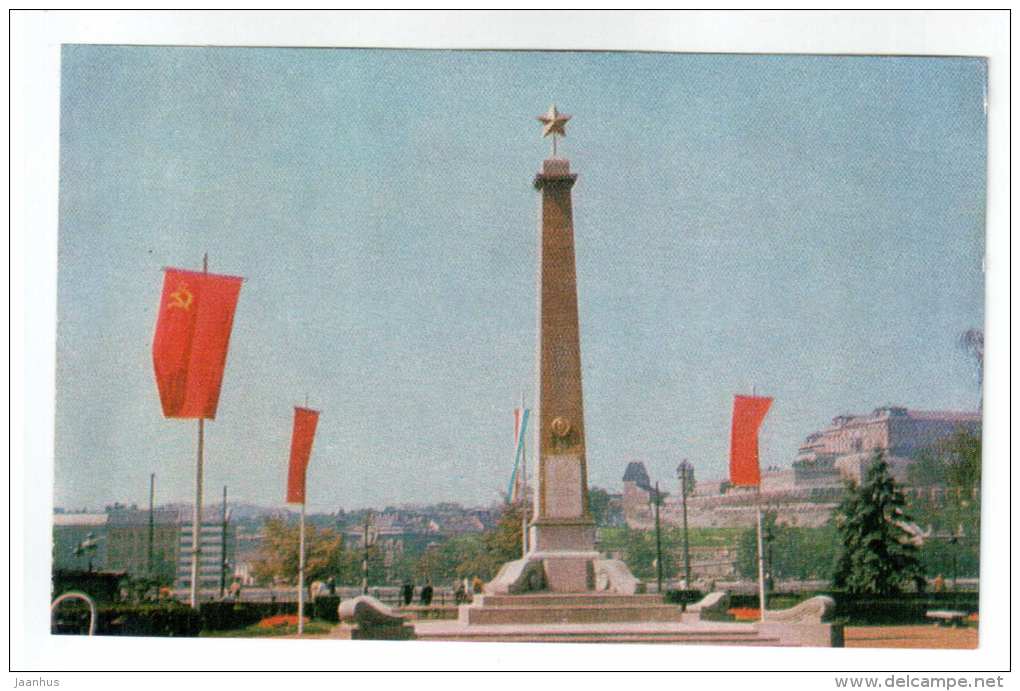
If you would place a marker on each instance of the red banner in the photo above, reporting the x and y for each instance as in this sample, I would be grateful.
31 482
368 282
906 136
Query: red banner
189 349
748 414
305 421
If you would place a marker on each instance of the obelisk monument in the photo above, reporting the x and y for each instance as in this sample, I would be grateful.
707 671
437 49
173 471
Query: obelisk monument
562 556
562 530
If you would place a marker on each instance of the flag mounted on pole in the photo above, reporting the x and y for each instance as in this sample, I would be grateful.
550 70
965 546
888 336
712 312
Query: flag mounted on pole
516 491
305 421
189 349
748 414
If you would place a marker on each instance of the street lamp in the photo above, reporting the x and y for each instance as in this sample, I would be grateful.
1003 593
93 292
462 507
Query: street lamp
368 540
658 539
685 472
769 540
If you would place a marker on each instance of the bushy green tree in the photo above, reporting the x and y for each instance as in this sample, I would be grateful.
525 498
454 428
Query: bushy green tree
470 555
953 462
598 505
790 551
876 555
278 555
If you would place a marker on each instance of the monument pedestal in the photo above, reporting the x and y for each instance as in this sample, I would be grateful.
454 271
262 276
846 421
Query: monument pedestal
566 549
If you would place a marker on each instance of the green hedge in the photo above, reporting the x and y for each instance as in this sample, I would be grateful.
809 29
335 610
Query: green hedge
683 597
326 608
226 616
130 620
873 610
909 608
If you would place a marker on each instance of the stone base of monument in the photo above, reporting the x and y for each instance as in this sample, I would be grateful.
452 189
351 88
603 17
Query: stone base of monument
566 608
563 572
615 618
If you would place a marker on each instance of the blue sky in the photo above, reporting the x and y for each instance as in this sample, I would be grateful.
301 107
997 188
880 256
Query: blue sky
812 226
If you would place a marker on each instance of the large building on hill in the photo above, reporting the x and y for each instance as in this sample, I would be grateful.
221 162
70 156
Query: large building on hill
806 493
846 447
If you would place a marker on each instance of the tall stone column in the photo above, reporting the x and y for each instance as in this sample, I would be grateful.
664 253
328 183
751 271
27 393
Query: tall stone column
562 556
562 531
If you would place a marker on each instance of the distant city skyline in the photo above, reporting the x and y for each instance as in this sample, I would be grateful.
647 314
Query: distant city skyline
810 226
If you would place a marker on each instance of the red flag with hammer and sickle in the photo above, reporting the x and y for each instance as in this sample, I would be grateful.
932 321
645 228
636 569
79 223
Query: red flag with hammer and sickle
189 350
305 421
748 414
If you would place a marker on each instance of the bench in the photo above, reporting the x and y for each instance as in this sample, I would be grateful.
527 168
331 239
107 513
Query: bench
946 617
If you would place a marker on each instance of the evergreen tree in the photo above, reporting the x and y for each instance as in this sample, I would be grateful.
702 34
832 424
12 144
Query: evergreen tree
877 556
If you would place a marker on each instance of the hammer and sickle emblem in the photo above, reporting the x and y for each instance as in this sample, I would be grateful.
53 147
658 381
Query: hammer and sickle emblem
182 297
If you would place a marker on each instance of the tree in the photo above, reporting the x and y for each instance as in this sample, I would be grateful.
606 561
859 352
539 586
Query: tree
972 342
278 555
598 505
953 462
790 551
877 555
467 556
962 454
503 542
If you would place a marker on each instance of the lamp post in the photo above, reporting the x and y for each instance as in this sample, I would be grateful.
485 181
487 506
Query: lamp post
658 541
685 471
368 540
769 539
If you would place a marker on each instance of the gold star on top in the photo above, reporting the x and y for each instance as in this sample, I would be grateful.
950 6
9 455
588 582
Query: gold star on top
554 122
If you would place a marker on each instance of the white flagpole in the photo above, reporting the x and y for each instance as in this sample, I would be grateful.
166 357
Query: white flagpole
196 518
761 561
761 551
301 574
524 486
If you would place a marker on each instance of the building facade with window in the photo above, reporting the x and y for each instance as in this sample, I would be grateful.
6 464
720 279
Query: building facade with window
217 558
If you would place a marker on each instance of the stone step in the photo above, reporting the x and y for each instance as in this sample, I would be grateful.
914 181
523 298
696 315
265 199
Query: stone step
572 599
602 638
622 632
570 614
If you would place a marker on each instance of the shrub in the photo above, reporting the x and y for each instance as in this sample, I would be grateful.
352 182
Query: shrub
683 597
130 620
325 607
225 616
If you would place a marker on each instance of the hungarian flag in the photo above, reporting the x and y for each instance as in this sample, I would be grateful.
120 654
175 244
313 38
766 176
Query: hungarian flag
748 414
517 488
189 350
301 440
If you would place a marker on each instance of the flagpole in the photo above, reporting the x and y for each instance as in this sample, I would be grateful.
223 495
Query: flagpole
524 487
761 551
196 519
761 558
301 563
301 574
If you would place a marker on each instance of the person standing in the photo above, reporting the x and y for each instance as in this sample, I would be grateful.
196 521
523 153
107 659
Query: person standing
426 594
407 592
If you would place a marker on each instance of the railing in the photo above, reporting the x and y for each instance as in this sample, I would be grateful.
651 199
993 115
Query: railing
77 596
